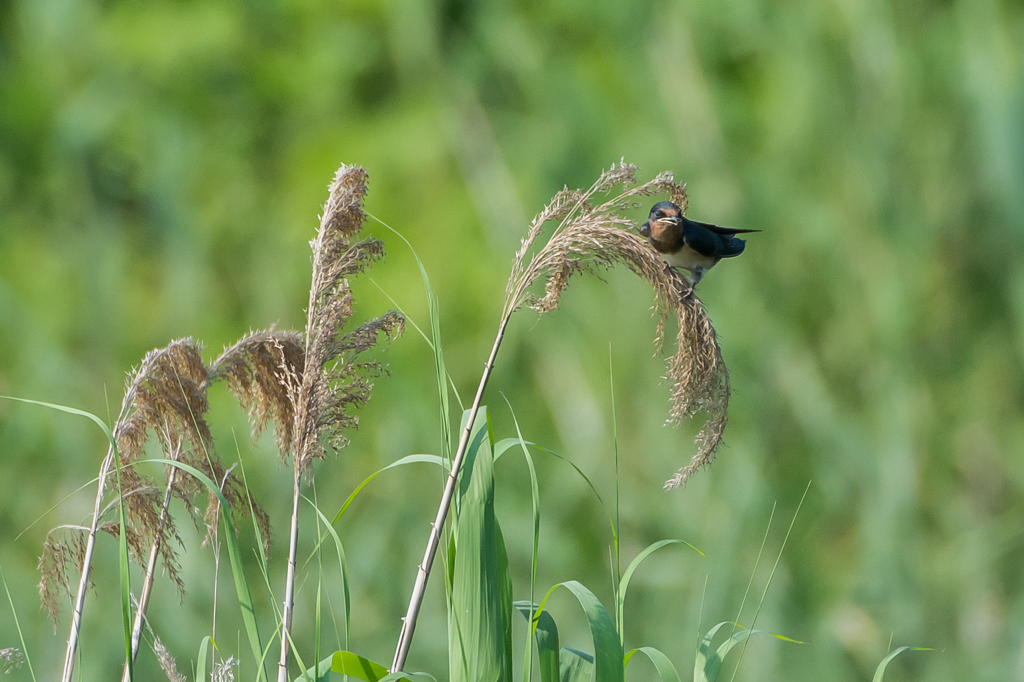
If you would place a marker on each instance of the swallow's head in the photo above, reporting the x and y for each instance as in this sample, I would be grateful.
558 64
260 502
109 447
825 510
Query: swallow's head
665 212
663 222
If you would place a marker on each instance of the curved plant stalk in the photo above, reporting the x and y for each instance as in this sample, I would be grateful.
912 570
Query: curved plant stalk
423 570
587 236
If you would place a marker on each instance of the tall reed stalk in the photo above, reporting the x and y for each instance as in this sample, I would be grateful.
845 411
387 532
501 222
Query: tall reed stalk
588 236
332 381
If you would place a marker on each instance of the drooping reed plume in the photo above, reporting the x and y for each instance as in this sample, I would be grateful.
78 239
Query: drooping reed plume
333 380
590 235
165 395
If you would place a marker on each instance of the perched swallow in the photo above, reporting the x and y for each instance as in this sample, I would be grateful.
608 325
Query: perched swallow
687 244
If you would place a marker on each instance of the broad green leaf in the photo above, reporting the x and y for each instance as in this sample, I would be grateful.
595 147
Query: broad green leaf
608 658
354 665
545 633
321 673
479 634
575 666
666 671
534 556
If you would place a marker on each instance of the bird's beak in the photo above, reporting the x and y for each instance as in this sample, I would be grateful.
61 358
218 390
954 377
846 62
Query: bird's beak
674 220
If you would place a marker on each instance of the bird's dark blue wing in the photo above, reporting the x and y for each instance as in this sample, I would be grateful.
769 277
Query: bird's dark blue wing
718 229
703 241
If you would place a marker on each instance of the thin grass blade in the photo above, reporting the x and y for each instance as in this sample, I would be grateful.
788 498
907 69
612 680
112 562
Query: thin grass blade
708 665
17 624
408 459
633 565
880 670
234 554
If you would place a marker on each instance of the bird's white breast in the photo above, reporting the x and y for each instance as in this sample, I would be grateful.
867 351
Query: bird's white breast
688 259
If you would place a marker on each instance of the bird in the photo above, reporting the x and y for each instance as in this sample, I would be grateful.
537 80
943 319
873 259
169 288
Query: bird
687 244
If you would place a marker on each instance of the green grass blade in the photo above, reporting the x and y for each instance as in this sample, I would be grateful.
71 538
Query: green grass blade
408 459
234 554
70 410
771 576
880 670
545 633
343 564
202 667
757 561
408 677
618 597
479 637
123 563
708 665
534 557
435 344
633 565
17 624
666 671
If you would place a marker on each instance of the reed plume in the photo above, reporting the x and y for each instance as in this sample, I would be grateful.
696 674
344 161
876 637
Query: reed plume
333 380
591 235
165 395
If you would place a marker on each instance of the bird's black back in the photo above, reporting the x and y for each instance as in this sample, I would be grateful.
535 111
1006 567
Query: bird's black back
714 243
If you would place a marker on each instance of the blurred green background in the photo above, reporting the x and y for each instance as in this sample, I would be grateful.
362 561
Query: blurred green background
162 165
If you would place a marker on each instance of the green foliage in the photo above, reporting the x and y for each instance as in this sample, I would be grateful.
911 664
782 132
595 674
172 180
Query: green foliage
480 615
161 162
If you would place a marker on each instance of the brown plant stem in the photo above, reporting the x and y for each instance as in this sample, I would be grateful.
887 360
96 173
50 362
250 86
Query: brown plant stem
423 570
147 584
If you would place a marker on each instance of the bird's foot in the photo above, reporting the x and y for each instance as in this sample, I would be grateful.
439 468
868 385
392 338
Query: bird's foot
686 293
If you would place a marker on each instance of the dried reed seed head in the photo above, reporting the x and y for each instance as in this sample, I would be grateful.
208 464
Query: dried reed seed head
224 670
12 658
590 236
167 662
343 213
53 567
332 380
167 393
262 370
239 500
